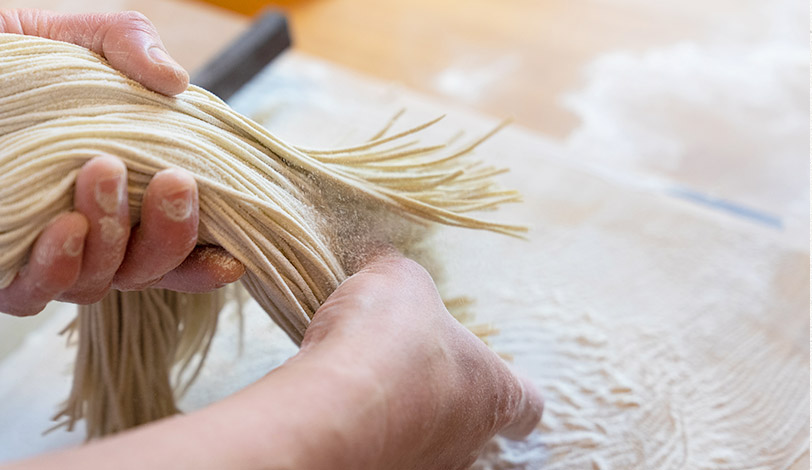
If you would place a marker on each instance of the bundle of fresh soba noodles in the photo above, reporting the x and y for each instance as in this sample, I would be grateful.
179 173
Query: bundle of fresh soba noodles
281 210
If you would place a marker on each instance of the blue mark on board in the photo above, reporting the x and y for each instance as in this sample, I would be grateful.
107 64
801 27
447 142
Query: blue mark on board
728 206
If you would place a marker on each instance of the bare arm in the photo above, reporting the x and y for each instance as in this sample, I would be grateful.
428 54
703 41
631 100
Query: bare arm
386 379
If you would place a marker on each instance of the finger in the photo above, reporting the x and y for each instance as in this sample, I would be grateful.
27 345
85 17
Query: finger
167 232
128 40
101 196
527 414
207 268
54 265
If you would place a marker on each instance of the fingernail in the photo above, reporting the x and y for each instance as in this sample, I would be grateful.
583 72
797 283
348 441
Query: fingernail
73 246
109 194
178 206
160 57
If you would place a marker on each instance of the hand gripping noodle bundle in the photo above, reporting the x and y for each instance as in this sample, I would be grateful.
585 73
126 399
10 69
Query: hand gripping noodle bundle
275 207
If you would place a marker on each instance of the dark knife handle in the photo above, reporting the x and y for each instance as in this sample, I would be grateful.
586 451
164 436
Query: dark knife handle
245 57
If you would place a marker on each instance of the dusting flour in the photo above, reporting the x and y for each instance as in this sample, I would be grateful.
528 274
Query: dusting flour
662 334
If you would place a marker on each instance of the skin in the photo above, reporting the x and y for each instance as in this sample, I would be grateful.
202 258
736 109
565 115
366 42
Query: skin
386 378
82 254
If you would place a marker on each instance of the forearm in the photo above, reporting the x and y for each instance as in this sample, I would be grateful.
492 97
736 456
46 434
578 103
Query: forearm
385 379
287 420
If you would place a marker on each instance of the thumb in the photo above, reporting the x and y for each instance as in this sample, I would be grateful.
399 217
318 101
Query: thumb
128 40
389 289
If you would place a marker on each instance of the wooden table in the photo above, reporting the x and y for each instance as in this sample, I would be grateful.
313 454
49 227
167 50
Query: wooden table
512 58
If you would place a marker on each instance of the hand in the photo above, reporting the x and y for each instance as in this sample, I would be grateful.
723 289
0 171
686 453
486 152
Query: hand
386 379
390 380
80 255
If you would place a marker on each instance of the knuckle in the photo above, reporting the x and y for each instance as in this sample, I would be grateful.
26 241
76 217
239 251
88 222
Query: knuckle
396 280
405 269
416 271
413 278
4 22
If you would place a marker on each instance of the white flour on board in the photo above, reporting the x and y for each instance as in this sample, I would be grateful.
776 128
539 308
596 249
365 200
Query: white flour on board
662 334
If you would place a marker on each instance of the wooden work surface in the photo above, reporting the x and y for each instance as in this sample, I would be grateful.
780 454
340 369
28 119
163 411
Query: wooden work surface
638 314
509 59
521 59
516 58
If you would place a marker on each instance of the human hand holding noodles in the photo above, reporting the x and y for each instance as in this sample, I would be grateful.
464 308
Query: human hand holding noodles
82 254
386 379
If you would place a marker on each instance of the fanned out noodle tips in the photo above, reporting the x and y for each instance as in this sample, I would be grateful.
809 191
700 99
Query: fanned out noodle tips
274 206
